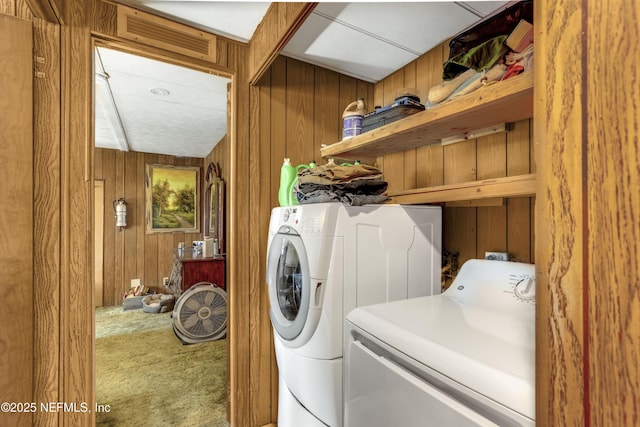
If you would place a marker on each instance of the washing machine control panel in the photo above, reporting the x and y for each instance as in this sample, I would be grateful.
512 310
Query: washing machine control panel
286 213
304 224
524 287
500 284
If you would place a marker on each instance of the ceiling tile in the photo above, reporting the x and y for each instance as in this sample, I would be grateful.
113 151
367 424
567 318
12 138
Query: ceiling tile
416 26
343 49
370 40
485 8
236 20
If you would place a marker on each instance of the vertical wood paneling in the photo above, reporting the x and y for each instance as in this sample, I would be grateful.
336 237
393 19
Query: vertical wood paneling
410 156
119 285
98 242
261 375
46 217
468 231
268 200
278 117
491 162
77 308
491 156
327 110
152 255
16 218
8 7
130 234
429 159
460 232
430 166
392 165
132 253
107 167
519 226
299 109
241 312
219 156
460 162
264 200
138 216
558 78
348 94
286 95
612 154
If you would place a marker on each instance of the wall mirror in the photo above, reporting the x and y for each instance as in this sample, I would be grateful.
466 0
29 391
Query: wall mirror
215 205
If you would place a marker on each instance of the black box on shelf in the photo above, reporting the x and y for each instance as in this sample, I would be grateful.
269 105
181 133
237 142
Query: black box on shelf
399 109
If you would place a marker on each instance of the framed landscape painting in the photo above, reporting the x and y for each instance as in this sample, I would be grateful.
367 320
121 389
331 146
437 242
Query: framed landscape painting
172 196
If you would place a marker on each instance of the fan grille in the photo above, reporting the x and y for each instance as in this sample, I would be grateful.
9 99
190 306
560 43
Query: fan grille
201 313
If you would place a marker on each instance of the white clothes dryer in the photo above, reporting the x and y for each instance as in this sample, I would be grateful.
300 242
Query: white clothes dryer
463 358
326 259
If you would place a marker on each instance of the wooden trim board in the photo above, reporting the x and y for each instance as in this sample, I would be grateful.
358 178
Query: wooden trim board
510 186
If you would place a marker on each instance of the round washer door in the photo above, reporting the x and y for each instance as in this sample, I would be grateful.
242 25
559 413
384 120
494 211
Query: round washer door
289 283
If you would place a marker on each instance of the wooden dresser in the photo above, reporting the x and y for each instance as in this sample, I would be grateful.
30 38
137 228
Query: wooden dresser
200 269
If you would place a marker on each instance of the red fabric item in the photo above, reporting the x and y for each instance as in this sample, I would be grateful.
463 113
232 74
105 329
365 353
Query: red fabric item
513 70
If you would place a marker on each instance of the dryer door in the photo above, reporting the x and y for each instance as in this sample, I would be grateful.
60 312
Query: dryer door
289 283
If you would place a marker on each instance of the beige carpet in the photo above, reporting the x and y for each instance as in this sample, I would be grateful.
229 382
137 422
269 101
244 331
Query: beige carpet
147 377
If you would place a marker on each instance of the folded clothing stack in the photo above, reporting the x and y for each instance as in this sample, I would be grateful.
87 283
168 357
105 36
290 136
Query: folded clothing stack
353 185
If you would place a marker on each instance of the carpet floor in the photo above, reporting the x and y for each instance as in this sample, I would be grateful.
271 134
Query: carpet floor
147 377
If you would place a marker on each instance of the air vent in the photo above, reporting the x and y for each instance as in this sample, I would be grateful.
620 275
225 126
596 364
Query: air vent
163 33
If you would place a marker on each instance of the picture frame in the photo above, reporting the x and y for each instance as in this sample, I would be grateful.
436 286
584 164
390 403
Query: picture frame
172 199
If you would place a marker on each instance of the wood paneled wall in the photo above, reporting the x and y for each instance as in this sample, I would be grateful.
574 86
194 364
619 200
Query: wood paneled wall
132 253
16 219
295 107
588 232
468 231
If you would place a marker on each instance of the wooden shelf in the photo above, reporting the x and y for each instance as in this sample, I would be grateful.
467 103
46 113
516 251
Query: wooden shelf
503 102
510 186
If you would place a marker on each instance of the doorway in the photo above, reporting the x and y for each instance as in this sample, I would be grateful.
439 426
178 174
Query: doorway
133 253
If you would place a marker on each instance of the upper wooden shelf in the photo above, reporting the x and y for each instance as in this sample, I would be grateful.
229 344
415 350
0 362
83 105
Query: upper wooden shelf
503 102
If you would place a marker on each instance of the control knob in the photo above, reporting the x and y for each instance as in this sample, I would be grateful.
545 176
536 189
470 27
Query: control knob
525 289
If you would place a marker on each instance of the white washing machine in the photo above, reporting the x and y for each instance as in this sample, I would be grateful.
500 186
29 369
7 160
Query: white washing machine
463 358
324 260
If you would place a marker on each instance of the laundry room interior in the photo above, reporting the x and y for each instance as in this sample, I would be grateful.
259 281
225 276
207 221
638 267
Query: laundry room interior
493 205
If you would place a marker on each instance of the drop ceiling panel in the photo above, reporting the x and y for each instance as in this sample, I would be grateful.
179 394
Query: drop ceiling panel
236 20
485 8
413 26
344 49
371 40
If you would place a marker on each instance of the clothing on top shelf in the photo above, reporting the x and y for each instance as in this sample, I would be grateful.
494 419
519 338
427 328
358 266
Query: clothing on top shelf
353 185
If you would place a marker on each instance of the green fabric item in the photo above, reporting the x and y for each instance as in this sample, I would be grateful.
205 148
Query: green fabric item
481 57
